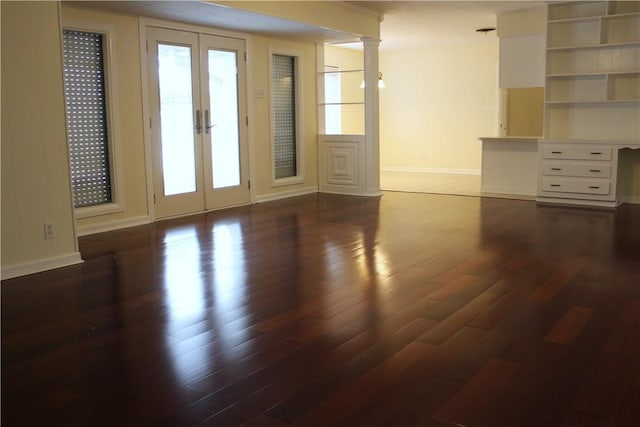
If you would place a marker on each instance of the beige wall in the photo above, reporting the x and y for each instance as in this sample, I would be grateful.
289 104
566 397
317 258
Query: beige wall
523 22
522 36
35 174
126 88
438 101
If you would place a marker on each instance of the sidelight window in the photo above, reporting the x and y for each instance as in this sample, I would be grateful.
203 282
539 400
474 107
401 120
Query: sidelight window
285 125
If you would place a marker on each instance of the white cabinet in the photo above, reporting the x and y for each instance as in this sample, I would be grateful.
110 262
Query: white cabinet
592 99
577 172
510 166
577 169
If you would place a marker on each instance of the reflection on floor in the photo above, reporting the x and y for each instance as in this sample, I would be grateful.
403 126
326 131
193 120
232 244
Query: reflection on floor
436 183
328 310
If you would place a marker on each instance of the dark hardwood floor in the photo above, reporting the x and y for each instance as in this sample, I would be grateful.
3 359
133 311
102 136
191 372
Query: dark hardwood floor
408 310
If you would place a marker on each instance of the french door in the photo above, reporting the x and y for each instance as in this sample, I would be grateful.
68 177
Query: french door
198 121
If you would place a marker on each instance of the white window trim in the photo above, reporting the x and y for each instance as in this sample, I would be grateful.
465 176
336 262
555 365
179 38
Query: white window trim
113 126
299 178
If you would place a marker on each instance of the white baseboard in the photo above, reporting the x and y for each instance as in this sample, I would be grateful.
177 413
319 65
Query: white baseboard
511 195
430 170
112 225
632 200
286 194
346 191
372 193
576 202
37 266
508 191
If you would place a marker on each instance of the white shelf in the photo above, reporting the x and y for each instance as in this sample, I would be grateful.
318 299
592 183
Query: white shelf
592 99
341 103
594 17
621 29
574 33
615 121
594 46
576 10
340 72
623 7
613 73
618 87
601 59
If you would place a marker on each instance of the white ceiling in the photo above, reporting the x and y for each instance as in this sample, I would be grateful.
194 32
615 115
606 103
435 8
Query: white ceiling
409 23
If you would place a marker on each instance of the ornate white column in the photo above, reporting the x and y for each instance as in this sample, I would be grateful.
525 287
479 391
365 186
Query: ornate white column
371 117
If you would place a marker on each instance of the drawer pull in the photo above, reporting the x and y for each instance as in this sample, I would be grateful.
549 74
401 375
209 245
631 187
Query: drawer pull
594 187
595 170
556 169
556 152
596 153
555 185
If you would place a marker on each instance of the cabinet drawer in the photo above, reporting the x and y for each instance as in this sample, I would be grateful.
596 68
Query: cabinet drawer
559 185
594 170
576 153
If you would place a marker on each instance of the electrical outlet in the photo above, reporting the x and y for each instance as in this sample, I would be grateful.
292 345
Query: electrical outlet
49 231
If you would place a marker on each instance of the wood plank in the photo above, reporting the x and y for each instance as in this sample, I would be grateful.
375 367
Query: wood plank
566 271
369 385
460 318
303 401
482 394
570 325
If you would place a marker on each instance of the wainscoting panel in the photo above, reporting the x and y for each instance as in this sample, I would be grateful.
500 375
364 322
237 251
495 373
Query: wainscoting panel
342 166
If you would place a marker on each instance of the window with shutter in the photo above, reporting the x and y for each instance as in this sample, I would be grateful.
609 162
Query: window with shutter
87 126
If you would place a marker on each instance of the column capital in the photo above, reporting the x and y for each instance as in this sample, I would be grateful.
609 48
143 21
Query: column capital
370 40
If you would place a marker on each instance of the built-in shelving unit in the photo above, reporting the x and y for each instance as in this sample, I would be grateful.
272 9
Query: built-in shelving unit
592 96
593 53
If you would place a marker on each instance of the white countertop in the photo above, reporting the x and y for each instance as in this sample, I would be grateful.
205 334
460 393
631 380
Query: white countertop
510 138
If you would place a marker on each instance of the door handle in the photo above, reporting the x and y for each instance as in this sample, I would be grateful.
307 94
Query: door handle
198 122
207 121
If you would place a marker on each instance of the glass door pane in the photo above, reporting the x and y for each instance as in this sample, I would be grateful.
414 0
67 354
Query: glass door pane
223 93
176 119
223 120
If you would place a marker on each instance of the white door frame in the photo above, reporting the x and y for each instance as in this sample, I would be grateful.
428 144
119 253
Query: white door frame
144 23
